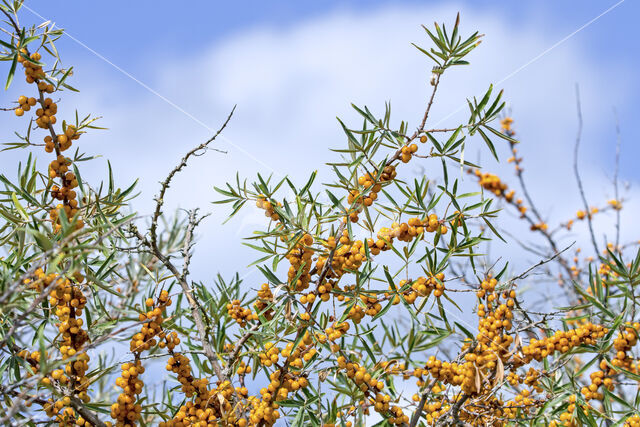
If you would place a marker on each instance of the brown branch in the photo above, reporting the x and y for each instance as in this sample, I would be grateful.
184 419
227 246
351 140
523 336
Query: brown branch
418 413
238 348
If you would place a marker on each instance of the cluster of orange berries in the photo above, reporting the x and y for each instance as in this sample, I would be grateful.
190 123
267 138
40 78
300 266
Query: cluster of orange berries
270 355
434 410
63 140
179 365
580 215
269 211
242 315
59 168
627 339
493 183
368 181
25 104
424 286
371 303
323 291
210 406
632 421
407 231
615 204
47 113
263 301
505 125
372 387
567 419
421 287
335 332
456 374
285 380
300 259
68 301
624 342
152 326
126 411
349 256
281 385
563 341
356 312
311 297
66 193
62 413
32 71
407 152
265 410
243 369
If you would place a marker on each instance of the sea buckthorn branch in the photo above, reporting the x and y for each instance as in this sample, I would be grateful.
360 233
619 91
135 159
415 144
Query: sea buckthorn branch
67 295
199 316
24 282
615 203
495 185
24 402
325 267
196 309
126 410
69 399
70 383
452 50
612 204
505 125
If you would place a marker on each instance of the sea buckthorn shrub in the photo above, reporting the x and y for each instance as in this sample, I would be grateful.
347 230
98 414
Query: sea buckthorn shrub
377 303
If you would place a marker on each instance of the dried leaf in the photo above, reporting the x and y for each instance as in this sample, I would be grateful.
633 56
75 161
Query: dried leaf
499 372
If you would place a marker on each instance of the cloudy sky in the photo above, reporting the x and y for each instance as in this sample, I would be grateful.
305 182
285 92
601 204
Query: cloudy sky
164 78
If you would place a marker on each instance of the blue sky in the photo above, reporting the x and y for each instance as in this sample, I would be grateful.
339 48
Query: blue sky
293 66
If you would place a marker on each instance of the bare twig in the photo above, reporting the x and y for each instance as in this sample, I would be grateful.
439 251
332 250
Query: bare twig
165 184
193 222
